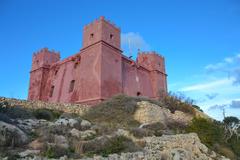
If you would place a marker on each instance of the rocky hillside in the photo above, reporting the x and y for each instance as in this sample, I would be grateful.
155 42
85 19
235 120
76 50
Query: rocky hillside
121 128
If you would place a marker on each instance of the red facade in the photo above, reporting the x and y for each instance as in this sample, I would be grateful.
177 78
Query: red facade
97 72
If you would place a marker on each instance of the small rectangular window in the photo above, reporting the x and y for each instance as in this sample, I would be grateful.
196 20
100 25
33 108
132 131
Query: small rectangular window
51 91
71 87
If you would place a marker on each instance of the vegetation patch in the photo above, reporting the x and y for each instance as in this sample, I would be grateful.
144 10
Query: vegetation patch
46 114
116 112
214 135
105 146
175 102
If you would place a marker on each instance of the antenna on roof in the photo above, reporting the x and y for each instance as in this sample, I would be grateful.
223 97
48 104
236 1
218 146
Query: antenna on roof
129 47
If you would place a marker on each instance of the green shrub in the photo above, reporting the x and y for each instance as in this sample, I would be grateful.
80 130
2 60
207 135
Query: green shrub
50 153
113 111
55 152
177 127
174 103
210 132
105 145
112 145
226 151
46 114
15 111
178 101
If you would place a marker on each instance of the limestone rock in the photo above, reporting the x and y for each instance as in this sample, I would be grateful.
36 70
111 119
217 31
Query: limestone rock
67 122
152 113
85 135
168 147
11 135
85 124
61 141
37 145
29 153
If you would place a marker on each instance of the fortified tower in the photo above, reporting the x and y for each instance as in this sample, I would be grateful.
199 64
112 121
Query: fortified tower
97 72
41 62
102 38
156 65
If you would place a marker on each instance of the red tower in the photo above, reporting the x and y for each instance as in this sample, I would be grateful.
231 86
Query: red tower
97 72
41 63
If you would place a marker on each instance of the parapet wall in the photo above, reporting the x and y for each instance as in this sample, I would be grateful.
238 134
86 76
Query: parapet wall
79 109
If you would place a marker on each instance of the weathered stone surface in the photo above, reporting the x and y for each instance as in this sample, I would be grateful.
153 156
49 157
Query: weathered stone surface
85 124
87 134
29 153
67 122
11 135
36 145
150 113
65 107
169 147
61 141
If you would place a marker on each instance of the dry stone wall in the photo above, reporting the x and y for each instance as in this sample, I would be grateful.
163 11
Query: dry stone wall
65 107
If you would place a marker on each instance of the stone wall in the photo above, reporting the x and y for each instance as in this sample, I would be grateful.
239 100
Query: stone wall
65 107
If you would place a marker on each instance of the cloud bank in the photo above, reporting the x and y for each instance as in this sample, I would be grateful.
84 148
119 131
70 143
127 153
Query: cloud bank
131 42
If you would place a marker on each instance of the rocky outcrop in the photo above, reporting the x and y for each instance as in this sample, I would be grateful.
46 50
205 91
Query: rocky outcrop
11 135
169 147
151 113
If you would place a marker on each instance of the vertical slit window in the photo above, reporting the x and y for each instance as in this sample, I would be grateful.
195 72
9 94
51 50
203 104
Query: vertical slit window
71 87
51 91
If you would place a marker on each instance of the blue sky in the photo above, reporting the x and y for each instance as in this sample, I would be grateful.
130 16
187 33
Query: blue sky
200 40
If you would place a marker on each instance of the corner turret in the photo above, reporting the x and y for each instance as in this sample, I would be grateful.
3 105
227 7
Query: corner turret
44 58
40 69
155 63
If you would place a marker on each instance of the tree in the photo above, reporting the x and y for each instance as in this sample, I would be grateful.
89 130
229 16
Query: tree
231 127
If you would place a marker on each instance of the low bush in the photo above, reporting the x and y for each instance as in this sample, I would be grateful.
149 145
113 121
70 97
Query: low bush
141 132
177 103
224 150
106 146
55 152
156 128
177 127
113 111
14 112
46 114
210 132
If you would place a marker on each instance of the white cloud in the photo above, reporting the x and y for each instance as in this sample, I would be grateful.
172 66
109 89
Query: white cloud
229 60
207 86
215 67
131 42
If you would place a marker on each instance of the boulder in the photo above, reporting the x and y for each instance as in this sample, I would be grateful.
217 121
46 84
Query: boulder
28 153
151 113
61 141
84 135
85 124
37 145
68 122
11 135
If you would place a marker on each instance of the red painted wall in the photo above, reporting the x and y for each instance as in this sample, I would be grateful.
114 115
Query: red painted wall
97 72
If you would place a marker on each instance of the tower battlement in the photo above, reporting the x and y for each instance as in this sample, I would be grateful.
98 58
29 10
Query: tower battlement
152 61
101 30
44 58
101 19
